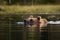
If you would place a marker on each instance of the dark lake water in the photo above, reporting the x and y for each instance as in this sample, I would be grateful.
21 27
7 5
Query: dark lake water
10 30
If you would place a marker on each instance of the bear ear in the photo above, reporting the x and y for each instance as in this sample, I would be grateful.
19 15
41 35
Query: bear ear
39 17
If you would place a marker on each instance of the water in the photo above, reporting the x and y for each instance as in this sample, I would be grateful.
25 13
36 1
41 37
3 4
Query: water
9 30
54 32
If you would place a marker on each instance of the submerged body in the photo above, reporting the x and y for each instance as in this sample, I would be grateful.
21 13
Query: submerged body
43 22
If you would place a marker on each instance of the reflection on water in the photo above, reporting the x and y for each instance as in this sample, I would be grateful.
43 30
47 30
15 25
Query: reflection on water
54 32
9 30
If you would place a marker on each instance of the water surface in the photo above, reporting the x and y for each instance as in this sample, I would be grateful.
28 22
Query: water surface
10 30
